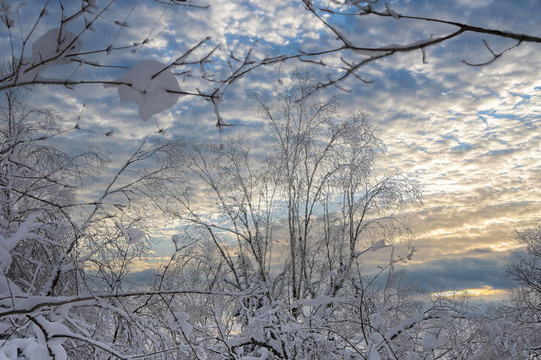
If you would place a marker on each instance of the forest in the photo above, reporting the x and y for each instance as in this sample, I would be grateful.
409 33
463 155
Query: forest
289 240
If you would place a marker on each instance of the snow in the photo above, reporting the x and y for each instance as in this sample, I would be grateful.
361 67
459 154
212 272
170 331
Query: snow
9 352
149 91
405 325
377 320
131 234
8 244
33 350
134 235
318 301
379 245
391 11
373 354
53 44
431 342
53 48
36 326
179 320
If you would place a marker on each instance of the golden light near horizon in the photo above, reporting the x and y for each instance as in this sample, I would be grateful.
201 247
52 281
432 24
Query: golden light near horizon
506 246
250 179
485 291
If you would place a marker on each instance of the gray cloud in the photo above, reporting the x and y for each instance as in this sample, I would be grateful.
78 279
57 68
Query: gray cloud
462 273
471 133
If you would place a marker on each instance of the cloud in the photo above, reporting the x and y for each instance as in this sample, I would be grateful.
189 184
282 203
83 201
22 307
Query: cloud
460 273
486 293
471 133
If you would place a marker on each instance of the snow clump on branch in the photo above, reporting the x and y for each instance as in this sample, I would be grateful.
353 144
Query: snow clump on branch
151 86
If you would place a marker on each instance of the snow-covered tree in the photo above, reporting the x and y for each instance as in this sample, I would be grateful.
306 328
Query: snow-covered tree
243 281
284 233
523 308
63 261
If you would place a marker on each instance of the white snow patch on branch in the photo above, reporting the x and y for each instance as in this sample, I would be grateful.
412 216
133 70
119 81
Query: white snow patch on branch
153 93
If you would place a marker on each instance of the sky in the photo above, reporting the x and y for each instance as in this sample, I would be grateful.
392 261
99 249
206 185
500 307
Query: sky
472 134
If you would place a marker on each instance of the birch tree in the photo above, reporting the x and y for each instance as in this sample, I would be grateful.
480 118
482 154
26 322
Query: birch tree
289 228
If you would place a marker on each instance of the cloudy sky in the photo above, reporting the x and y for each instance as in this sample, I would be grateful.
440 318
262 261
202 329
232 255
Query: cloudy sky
471 133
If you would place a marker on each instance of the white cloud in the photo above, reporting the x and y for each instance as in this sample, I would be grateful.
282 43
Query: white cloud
475 194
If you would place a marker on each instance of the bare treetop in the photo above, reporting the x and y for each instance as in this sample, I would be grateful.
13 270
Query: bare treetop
59 34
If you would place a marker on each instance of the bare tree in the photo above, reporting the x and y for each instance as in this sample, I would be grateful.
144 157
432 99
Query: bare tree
37 180
153 84
272 258
328 163
64 262
525 269
523 308
242 281
287 230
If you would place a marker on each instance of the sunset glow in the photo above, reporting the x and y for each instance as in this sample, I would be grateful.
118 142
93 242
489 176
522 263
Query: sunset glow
486 291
